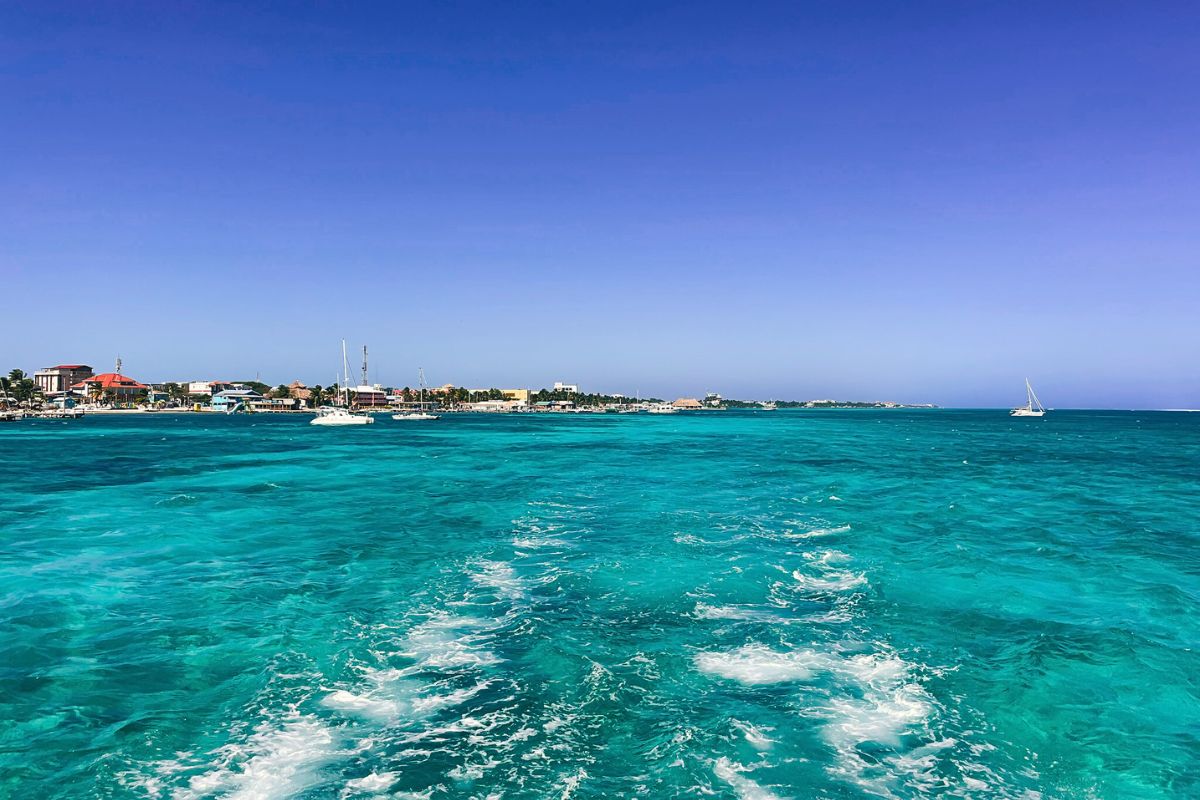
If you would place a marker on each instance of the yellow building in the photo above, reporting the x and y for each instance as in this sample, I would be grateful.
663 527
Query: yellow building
520 395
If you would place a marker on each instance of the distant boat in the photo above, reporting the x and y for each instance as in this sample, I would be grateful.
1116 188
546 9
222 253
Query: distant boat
1033 407
421 413
662 408
769 405
341 415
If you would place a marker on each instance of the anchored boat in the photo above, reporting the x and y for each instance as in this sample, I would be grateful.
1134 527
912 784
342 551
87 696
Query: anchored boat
341 415
1033 407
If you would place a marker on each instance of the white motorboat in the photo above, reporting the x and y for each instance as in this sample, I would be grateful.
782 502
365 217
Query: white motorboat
336 415
1032 408
405 415
662 408
768 405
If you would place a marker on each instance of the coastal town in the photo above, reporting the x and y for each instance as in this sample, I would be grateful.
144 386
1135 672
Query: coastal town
73 390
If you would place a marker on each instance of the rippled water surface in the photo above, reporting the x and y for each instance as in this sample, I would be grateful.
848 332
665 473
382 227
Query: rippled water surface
727 604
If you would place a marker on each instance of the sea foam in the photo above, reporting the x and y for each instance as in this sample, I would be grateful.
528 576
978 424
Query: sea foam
274 763
831 581
755 664
743 787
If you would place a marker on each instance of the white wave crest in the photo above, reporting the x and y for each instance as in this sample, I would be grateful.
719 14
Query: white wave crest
832 581
274 763
736 613
446 641
743 787
825 557
364 705
755 664
369 784
818 532
501 578
755 736
571 783
880 716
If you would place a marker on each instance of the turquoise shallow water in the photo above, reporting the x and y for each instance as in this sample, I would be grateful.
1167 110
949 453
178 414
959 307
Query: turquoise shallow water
754 605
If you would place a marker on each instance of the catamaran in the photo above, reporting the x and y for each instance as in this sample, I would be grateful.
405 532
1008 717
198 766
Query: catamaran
341 415
1033 407
421 413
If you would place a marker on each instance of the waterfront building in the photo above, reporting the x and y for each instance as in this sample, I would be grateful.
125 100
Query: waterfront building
53 380
232 400
274 405
299 390
688 403
553 405
121 389
520 395
211 388
496 406
569 388
712 400
369 396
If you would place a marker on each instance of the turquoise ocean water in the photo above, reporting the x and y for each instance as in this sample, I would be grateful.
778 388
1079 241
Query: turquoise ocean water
817 604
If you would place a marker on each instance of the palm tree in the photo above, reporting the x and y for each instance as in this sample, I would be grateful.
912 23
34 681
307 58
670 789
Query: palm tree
281 391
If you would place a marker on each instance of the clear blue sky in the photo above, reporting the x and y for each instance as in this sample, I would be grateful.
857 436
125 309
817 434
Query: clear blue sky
910 201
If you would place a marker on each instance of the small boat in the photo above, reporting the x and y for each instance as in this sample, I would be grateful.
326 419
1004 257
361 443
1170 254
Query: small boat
768 406
421 413
1032 408
342 415
336 415
662 408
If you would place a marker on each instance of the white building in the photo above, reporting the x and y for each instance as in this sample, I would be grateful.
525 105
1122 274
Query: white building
569 388
52 380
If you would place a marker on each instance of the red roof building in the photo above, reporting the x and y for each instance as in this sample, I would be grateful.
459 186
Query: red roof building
112 382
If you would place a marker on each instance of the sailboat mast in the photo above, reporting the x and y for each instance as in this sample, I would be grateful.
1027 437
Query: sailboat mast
1033 398
345 374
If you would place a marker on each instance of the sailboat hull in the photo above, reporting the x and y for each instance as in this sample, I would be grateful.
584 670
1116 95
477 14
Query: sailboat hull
1026 412
337 421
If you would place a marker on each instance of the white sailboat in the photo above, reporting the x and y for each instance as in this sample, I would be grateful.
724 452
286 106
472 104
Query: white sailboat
341 415
1033 407
421 413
